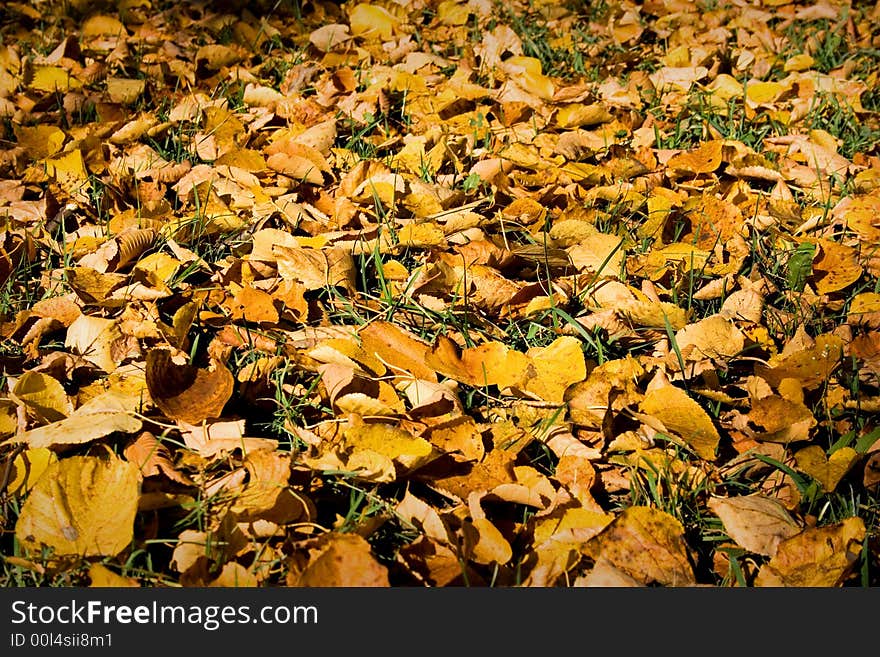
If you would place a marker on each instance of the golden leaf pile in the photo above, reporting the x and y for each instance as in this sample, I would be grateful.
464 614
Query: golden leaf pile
440 293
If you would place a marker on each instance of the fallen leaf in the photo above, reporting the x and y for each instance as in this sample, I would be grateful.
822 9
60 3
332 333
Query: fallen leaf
757 523
101 416
817 556
186 392
827 470
646 544
43 395
102 577
684 417
82 505
336 560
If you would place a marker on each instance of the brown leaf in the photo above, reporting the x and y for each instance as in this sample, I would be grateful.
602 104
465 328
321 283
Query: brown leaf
153 458
186 392
404 353
340 560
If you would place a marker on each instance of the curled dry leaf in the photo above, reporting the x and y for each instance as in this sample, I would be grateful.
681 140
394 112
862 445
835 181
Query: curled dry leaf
43 396
186 392
28 467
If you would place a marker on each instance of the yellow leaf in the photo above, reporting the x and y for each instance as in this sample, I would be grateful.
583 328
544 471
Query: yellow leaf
654 314
755 522
401 350
100 576
556 367
835 267
818 556
50 79
800 62
28 467
124 90
450 12
648 545
460 435
82 505
687 256
234 575
316 268
43 395
95 339
600 253
372 22
67 166
158 267
713 337
340 560
243 158
761 93
828 471
683 417
811 366
298 167
329 37
39 141
576 525
526 72
677 78
490 545
781 420
106 413
348 352
705 159
215 56
253 305
864 303
421 235
578 114
390 441
102 25
491 363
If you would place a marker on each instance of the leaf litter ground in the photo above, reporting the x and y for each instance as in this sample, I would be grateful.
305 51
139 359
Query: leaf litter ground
440 293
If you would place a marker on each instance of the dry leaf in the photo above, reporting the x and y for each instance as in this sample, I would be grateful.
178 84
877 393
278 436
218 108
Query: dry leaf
101 416
684 417
340 560
827 470
186 392
646 544
82 505
755 522
817 556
